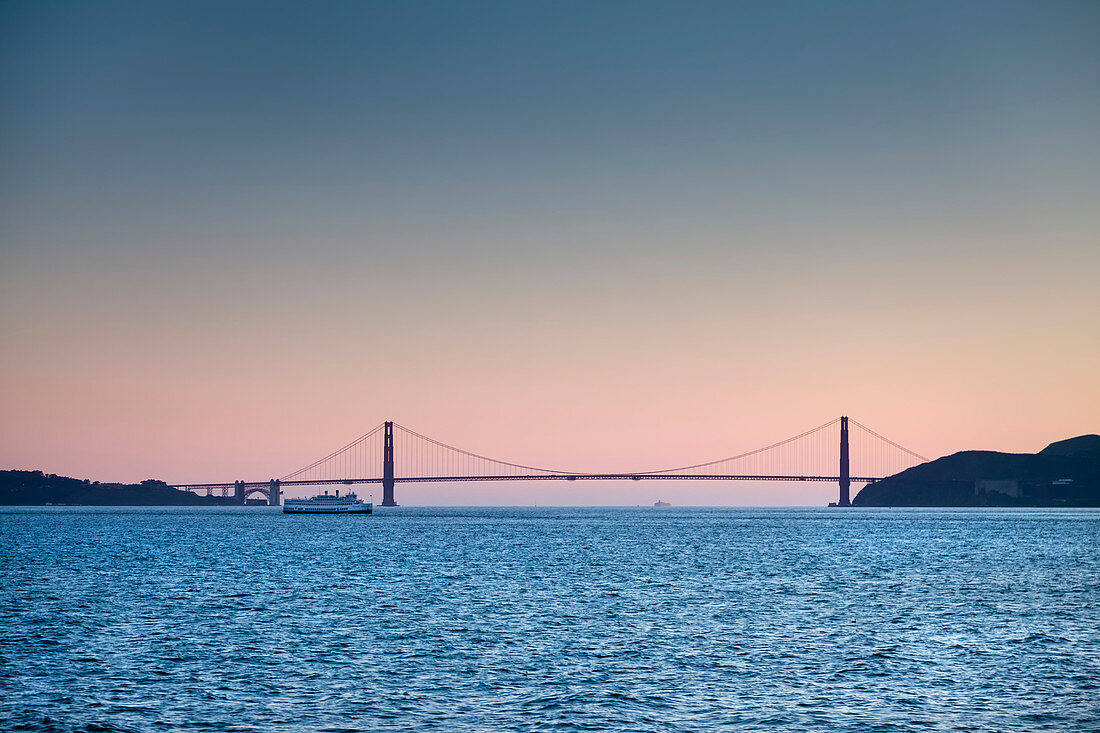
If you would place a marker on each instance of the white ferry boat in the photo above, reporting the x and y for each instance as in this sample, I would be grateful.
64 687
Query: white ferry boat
326 503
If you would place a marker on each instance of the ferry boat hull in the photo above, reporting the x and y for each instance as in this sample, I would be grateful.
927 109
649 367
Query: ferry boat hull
328 504
365 509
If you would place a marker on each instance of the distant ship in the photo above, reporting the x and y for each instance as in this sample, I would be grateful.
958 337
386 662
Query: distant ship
326 504
660 503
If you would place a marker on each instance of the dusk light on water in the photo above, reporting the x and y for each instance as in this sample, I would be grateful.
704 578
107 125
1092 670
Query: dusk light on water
531 366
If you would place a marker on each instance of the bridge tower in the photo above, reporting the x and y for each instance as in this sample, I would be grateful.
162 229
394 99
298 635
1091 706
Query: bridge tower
273 497
845 480
238 491
387 467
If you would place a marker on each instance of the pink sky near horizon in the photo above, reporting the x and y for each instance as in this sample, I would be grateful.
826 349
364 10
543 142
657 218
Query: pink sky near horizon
621 391
579 238
125 376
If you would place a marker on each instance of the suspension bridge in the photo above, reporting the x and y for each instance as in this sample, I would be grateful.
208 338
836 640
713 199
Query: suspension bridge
841 451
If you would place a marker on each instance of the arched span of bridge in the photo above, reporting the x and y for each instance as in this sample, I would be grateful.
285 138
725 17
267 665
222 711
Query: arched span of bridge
841 451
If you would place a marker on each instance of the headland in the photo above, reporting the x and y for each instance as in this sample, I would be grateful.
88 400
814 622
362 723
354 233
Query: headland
35 488
1064 474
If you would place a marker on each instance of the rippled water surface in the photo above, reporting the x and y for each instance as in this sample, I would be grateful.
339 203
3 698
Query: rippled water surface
549 619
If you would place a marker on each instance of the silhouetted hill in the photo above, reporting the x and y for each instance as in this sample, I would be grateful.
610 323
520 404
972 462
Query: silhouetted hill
1082 445
1066 473
34 488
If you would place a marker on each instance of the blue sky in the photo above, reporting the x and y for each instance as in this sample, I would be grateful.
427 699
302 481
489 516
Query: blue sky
716 203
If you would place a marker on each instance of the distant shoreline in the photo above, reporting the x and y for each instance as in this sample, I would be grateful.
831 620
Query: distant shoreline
1064 474
35 488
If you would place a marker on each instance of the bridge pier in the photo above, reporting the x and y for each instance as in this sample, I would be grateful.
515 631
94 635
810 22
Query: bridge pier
238 491
273 496
845 476
387 467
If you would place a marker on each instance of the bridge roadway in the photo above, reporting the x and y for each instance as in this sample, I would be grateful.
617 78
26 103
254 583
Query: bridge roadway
249 485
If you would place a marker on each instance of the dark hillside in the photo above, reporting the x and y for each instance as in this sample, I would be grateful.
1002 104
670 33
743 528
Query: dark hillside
1066 473
34 488
1082 445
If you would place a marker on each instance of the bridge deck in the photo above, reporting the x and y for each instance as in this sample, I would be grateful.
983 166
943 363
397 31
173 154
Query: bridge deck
535 477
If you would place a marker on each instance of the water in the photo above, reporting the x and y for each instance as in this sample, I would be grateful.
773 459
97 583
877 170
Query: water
549 619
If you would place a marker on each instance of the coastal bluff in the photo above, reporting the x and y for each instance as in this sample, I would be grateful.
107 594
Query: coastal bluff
1065 473
35 488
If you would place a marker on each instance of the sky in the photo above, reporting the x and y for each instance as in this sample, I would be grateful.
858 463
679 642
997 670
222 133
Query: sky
607 235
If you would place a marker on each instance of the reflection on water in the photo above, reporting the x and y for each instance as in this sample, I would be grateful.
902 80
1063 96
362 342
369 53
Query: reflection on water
550 619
